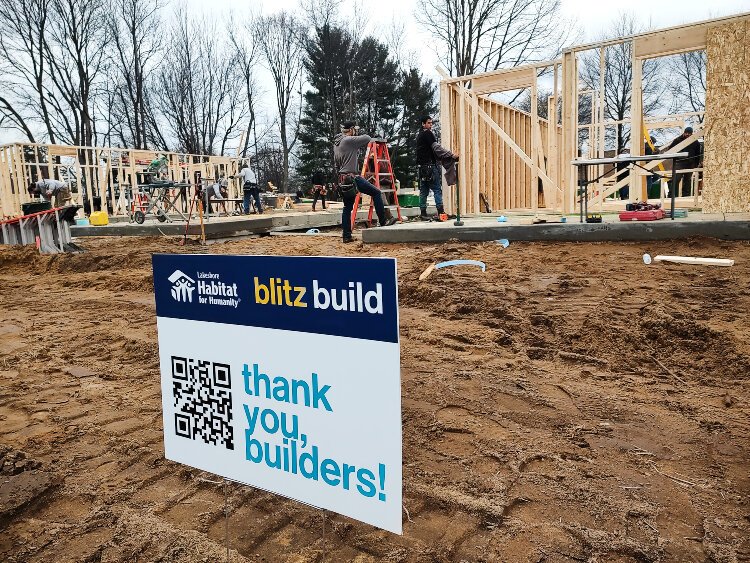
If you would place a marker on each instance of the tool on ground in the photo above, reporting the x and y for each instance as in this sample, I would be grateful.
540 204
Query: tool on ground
377 170
642 211
485 203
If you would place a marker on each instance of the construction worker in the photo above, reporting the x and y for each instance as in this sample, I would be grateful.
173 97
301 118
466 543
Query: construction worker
49 189
346 145
692 160
623 172
429 156
249 189
218 194
653 183
319 188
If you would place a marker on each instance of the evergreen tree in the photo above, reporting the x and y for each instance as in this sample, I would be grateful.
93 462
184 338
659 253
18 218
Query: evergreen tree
359 80
328 65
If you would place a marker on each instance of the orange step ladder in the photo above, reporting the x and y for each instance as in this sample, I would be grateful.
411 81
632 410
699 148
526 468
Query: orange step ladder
377 170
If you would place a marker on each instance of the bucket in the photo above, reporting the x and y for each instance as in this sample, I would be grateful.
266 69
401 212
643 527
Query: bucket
99 218
83 222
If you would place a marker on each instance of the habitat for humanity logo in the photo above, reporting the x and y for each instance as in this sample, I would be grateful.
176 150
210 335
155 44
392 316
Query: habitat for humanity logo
211 290
182 286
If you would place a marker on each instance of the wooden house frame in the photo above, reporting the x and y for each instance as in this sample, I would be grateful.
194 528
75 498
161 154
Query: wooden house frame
507 155
105 169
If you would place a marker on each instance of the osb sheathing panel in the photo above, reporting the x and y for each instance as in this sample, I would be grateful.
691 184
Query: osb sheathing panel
727 156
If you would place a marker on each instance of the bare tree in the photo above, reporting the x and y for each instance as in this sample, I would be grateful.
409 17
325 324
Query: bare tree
247 55
482 35
134 27
198 92
542 101
618 79
10 117
279 38
317 13
74 54
687 72
23 99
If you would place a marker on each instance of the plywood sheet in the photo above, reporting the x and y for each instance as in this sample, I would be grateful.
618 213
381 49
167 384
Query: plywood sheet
726 178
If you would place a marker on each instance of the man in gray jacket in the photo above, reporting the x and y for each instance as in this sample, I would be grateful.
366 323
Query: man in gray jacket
346 146
49 189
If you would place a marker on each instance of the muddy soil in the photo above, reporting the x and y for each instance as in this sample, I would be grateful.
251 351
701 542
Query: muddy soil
569 404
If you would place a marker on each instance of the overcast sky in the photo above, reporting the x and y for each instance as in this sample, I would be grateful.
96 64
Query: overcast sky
592 16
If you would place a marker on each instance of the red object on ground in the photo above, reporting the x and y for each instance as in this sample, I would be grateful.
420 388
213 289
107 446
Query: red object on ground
649 215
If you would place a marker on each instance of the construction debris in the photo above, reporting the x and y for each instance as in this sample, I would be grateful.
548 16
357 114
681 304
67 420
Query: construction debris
693 260
461 263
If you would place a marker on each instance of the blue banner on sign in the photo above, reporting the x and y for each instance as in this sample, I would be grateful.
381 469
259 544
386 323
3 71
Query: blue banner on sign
354 297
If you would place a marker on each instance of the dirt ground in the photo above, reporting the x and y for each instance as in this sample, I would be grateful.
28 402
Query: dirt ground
569 404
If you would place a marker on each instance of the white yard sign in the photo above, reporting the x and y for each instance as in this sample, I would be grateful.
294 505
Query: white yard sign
283 373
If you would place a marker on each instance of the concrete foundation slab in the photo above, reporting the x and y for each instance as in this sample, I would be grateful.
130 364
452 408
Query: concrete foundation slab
225 227
488 229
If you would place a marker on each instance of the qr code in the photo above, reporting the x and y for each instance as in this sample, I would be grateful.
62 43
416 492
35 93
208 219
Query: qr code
203 401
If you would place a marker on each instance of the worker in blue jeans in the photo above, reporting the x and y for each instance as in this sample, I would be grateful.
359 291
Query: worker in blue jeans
346 145
249 189
348 195
430 155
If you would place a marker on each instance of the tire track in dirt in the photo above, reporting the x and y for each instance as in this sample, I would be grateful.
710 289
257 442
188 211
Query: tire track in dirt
534 427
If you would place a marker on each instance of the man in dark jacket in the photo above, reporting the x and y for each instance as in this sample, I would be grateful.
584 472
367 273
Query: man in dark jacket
319 188
428 152
346 146
692 160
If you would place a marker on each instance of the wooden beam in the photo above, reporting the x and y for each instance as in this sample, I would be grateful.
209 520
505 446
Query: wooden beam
446 140
20 193
6 197
671 42
499 72
695 26
570 131
475 153
462 177
637 184
511 80
535 142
